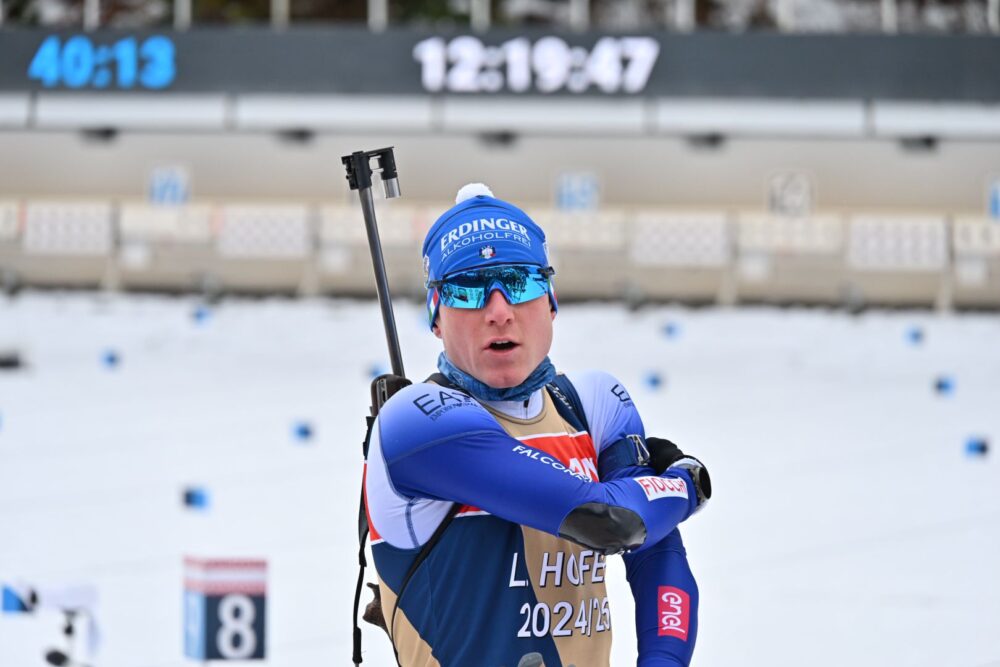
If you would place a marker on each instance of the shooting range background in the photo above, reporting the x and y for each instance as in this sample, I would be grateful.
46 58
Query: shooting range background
851 525
857 498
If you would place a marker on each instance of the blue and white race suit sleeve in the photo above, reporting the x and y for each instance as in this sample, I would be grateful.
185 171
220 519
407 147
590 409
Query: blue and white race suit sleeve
440 444
665 591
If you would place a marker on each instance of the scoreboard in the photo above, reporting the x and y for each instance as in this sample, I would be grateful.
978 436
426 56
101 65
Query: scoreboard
529 62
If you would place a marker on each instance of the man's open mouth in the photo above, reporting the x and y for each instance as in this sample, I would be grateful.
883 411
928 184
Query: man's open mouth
502 345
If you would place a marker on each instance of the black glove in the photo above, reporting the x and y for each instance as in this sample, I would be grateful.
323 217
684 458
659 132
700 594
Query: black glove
664 454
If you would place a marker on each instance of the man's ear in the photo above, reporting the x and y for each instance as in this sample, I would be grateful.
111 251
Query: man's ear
436 329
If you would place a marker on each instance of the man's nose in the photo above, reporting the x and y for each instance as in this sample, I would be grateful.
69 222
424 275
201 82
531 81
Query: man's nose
497 310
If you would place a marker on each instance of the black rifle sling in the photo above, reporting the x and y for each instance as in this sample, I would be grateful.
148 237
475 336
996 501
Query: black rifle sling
362 561
421 557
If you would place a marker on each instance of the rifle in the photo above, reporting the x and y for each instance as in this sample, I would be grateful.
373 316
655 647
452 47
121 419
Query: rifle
359 177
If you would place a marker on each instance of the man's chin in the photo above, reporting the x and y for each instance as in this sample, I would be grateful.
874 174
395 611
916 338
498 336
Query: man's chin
506 381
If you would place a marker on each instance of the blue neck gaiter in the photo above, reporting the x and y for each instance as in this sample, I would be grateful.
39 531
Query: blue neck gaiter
539 377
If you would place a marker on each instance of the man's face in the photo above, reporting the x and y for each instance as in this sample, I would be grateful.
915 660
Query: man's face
499 344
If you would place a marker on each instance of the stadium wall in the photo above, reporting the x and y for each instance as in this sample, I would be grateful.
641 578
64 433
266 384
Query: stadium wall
637 255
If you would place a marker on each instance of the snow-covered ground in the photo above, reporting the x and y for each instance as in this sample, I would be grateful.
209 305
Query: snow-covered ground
849 525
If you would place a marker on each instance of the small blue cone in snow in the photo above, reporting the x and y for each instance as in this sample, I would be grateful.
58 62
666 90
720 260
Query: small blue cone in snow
976 446
201 314
671 330
302 431
196 497
376 369
653 380
944 385
13 602
915 335
111 359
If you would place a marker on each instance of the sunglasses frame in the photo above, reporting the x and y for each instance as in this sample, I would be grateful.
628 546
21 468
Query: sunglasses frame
545 271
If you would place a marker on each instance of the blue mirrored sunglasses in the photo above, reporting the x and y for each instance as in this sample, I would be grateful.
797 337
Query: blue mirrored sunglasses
519 283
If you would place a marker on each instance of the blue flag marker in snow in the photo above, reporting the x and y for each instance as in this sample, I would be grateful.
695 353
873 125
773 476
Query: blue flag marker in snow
196 497
12 602
671 330
915 335
653 380
201 314
977 446
944 385
302 431
110 359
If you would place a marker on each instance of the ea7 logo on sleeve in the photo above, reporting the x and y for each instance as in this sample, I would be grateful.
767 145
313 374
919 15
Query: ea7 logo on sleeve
662 487
435 406
673 611
621 394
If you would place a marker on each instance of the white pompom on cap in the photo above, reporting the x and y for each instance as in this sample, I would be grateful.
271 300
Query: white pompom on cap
470 190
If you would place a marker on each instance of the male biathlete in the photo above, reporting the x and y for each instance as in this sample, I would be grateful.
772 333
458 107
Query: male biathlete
496 489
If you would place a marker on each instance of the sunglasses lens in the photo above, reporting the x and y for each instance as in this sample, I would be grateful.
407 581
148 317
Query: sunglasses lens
471 289
462 296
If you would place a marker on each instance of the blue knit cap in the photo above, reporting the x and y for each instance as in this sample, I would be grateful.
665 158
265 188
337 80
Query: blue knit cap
480 230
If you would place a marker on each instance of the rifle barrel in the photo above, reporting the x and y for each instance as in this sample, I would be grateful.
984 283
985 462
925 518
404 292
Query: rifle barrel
381 283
